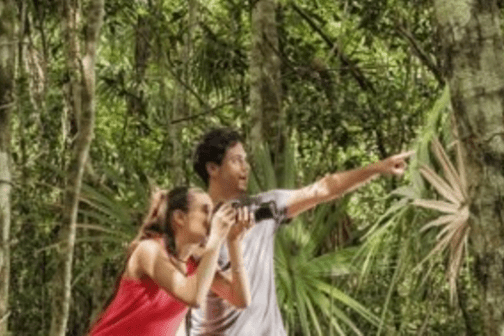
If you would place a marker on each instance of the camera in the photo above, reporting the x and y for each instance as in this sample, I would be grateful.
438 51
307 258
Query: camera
261 210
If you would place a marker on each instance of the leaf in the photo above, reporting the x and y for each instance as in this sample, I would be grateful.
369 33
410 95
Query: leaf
441 186
461 168
449 170
438 221
436 205
451 227
102 229
406 191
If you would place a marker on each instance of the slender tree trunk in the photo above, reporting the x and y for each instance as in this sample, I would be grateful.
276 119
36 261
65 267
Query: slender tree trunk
82 88
23 101
181 104
137 104
474 67
7 63
265 86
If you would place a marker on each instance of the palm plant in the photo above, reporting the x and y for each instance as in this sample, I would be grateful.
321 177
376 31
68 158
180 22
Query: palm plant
109 221
455 228
310 302
392 243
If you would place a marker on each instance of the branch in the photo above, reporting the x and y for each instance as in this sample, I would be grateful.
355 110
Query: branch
10 42
208 111
4 318
356 72
95 21
6 182
421 53
6 106
184 84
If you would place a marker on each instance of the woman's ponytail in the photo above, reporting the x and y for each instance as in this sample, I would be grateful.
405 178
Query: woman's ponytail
154 221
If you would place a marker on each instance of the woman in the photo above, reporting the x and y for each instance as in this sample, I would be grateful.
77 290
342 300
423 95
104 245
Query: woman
161 279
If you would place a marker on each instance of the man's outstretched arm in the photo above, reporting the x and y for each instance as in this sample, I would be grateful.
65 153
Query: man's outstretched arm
337 184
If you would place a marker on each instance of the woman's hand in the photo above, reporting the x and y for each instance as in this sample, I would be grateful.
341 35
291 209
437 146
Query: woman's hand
244 222
222 220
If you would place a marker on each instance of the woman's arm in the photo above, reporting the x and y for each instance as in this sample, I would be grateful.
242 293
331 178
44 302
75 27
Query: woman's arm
233 286
154 262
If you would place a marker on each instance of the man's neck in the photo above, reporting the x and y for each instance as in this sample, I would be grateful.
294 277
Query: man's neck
219 193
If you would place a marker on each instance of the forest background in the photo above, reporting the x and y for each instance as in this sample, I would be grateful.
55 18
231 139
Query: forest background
102 100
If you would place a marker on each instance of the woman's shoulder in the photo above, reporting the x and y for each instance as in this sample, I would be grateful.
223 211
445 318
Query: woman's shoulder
144 258
150 245
146 251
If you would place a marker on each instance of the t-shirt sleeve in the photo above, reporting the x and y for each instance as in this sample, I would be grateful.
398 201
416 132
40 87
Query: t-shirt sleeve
280 197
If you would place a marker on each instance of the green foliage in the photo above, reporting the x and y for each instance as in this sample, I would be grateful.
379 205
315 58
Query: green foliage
305 273
395 245
354 90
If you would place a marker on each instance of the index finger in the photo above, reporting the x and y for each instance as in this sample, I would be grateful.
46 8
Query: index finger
404 155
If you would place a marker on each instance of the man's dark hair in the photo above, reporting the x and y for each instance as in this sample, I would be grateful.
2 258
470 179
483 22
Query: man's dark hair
212 148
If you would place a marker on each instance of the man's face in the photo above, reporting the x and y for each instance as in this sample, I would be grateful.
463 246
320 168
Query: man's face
234 169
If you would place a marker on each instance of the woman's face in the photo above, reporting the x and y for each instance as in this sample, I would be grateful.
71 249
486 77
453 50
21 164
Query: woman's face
199 215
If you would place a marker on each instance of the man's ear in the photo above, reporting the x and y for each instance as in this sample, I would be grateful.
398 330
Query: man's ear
212 168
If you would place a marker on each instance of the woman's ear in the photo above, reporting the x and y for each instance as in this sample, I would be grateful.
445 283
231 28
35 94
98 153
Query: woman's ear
179 217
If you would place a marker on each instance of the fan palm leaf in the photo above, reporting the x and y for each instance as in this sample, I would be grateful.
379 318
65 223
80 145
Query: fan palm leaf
386 250
453 225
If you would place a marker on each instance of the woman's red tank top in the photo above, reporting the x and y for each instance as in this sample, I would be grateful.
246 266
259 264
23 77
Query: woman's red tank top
141 307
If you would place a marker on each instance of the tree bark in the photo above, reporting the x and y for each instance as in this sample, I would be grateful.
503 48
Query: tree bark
137 104
473 58
7 66
181 103
267 118
82 77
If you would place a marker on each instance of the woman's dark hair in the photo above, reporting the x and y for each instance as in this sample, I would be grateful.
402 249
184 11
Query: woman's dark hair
157 223
212 148
178 199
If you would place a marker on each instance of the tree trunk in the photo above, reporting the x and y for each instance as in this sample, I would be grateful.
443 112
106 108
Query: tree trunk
137 104
474 67
82 88
7 64
265 86
181 104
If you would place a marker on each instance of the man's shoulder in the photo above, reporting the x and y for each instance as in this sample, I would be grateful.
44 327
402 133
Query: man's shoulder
273 194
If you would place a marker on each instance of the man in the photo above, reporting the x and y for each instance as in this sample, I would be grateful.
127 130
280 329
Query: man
221 161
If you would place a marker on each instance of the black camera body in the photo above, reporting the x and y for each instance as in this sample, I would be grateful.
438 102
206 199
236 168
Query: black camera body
261 210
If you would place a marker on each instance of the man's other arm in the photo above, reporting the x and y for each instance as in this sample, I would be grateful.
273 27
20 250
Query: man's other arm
335 185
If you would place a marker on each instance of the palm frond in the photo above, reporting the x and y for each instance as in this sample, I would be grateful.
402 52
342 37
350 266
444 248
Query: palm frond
454 227
441 186
437 205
